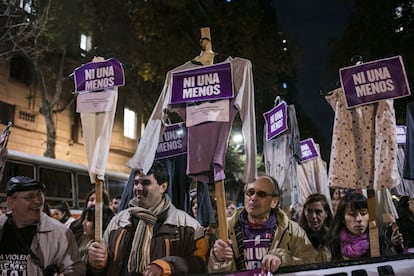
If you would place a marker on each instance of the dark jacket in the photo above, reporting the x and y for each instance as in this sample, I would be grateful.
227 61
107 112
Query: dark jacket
178 245
406 227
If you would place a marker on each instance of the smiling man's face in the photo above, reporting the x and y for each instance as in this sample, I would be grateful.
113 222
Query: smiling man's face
147 191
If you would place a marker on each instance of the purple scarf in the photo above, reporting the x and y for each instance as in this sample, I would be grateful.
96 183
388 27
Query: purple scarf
250 232
353 246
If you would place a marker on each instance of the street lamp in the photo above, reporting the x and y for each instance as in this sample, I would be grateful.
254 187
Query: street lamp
237 138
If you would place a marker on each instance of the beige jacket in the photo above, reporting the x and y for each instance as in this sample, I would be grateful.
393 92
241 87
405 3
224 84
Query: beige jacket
53 243
290 244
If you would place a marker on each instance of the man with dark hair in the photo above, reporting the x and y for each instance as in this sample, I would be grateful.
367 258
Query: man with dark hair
32 243
151 237
115 204
261 235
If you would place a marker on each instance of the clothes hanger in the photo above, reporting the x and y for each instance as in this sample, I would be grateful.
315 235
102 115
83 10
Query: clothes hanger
206 57
207 54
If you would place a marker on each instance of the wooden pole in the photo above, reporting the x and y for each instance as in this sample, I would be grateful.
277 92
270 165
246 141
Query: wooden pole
205 33
207 55
98 209
221 210
207 58
373 228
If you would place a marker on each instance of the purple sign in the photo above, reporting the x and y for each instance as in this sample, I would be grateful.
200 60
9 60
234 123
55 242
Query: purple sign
95 76
308 150
401 135
173 142
374 81
202 84
254 251
253 272
276 121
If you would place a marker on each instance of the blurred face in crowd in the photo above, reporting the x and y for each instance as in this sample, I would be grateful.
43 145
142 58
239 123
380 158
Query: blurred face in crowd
315 215
3 207
58 214
230 209
115 205
356 221
147 191
336 194
194 207
26 206
88 228
91 201
259 199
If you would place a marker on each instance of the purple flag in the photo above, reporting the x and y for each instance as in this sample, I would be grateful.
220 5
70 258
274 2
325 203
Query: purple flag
202 84
308 150
95 76
276 121
374 81
173 141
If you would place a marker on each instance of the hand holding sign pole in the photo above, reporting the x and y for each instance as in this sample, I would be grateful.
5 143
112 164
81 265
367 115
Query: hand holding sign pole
97 111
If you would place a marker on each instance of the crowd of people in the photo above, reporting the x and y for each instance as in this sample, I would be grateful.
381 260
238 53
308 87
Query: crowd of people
153 237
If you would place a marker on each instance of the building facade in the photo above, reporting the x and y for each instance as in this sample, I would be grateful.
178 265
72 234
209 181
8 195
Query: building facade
20 104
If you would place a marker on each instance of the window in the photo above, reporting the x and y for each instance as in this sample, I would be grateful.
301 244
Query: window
21 69
115 186
15 168
130 123
85 43
58 185
26 5
84 187
7 113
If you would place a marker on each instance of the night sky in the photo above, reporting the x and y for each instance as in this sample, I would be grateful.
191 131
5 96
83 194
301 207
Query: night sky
311 24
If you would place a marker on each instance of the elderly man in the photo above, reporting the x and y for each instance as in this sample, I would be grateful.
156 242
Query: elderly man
151 237
261 235
31 243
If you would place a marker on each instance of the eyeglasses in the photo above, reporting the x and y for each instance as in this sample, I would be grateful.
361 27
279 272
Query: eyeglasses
31 198
260 194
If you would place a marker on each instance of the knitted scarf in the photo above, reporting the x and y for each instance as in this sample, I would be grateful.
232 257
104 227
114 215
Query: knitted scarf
353 246
139 257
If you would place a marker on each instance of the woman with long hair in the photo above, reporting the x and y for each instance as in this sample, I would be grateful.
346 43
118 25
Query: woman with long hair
76 226
316 218
348 236
88 236
63 214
